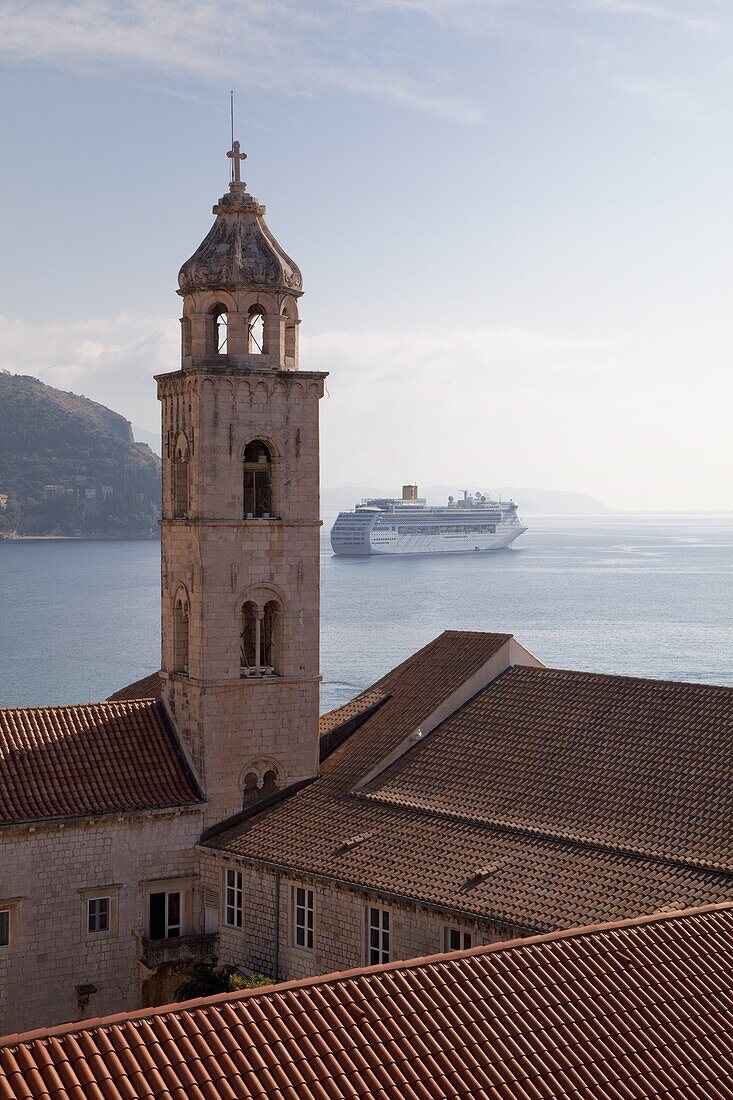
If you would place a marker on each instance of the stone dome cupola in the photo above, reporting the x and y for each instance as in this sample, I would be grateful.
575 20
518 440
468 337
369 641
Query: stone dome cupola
240 289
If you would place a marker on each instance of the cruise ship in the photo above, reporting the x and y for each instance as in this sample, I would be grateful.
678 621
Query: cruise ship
409 526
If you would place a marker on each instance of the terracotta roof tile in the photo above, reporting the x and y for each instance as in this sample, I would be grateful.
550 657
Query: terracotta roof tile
551 799
628 764
79 761
563 1015
148 687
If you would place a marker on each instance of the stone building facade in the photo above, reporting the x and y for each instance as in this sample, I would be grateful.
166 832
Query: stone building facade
55 968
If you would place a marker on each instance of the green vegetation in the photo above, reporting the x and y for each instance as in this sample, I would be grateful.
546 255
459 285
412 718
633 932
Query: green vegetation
205 981
69 466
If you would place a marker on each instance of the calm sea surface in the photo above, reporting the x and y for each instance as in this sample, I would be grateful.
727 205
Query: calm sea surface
647 595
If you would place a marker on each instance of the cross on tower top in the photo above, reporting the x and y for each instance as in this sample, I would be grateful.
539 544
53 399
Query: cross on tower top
236 157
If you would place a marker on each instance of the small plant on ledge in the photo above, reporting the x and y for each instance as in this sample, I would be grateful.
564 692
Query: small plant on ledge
206 980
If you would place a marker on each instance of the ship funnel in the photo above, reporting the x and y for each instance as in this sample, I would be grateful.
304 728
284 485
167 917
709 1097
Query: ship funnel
409 492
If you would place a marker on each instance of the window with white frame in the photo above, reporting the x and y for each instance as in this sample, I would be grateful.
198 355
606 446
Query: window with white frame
165 915
302 906
378 932
457 940
4 928
98 914
233 895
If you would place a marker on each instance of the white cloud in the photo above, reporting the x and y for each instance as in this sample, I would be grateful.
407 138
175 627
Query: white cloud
110 360
484 407
245 43
496 407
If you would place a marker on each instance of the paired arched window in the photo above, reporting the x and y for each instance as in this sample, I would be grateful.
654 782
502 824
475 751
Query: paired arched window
180 480
257 481
256 331
256 788
260 639
180 632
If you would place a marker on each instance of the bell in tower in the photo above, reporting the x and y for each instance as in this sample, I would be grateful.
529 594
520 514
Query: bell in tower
240 527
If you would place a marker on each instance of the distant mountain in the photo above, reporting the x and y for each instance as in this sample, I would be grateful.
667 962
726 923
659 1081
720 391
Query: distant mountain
69 466
529 500
152 439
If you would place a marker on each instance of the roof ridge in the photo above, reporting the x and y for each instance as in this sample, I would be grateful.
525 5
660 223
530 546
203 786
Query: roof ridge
79 706
434 642
626 677
582 931
555 838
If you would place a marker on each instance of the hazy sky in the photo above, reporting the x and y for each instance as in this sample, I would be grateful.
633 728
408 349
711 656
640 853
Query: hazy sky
514 220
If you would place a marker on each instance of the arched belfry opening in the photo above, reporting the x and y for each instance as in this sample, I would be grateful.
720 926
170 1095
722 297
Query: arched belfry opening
259 783
181 614
260 638
221 327
257 480
256 331
181 479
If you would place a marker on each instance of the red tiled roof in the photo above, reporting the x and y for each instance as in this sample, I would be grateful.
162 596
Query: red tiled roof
79 761
629 1011
498 790
146 688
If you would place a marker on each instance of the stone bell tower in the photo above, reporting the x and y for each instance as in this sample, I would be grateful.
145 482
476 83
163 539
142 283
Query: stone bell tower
240 528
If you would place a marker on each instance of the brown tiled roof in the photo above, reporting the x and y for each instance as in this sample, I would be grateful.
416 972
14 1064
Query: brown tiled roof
494 826
80 761
633 765
146 688
624 1012
356 708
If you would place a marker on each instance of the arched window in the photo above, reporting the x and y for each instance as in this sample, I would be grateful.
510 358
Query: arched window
248 641
256 331
180 633
255 789
268 637
180 481
257 481
221 327
259 639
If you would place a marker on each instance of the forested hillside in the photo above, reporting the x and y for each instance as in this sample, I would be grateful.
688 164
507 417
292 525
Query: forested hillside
69 466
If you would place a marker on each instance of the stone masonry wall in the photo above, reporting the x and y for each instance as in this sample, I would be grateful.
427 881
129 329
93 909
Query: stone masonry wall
46 872
340 924
227 722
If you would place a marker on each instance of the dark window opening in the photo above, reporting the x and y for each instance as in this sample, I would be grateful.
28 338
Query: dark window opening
257 481
267 636
180 635
248 637
165 915
180 486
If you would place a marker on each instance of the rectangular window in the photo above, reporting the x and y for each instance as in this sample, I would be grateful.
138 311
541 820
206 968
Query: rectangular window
233 902
377 936
456 940
165 915
302 917
4 928
98 914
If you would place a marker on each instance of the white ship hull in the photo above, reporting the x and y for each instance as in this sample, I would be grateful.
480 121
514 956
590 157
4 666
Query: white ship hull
402 529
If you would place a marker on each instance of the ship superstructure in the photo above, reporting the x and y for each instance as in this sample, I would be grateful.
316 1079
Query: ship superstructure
407 525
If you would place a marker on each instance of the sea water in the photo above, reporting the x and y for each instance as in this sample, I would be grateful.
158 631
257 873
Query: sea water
641 595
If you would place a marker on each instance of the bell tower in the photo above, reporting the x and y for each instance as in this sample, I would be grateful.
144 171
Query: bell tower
240 527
